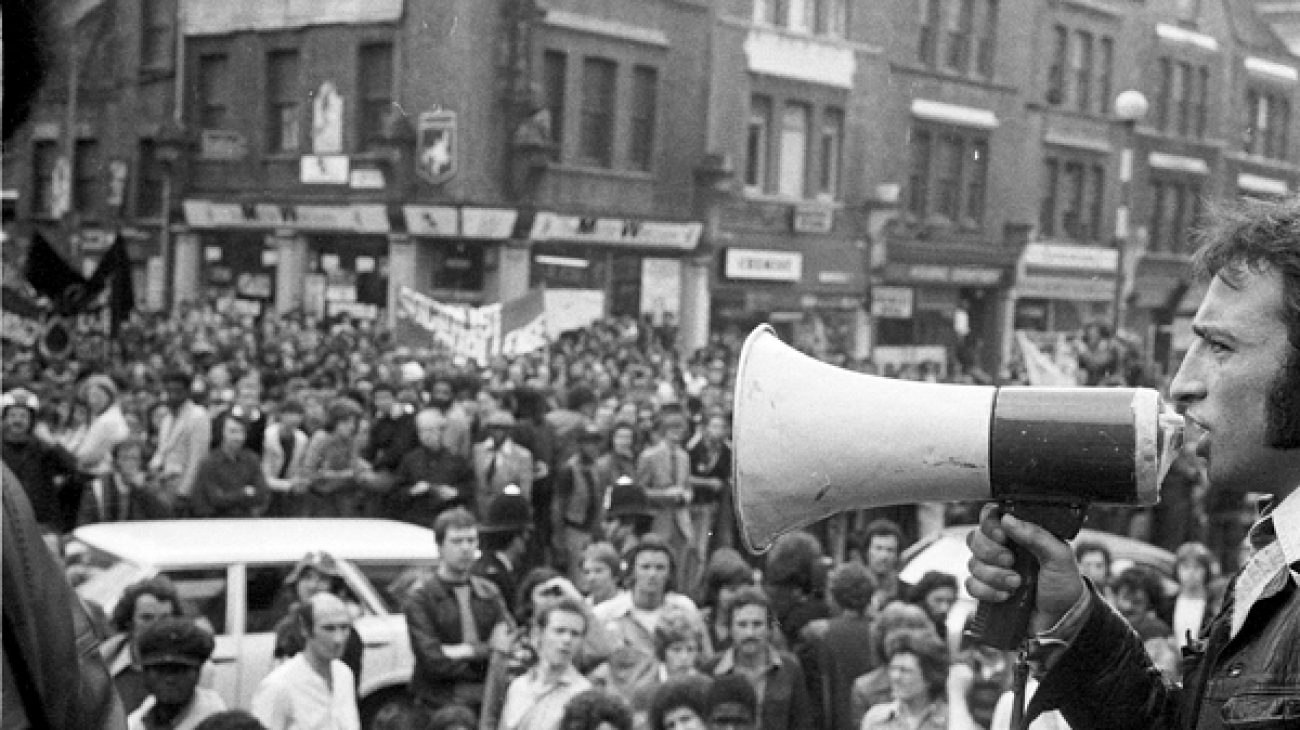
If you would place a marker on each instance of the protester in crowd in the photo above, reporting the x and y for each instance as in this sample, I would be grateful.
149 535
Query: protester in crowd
663 470
142 604
710 456
107 425
776 675
451 617
619 459
918 679
733 704
601 568
1195 603
678 647
314 688
680 703
726 573
247 407
841 651
596 709
316 572
936 592
499 461
172 653
430 478
881 544
47 471
576 501
183 440
630 617
456 437
1094 561
503 535
392 431
872 688
794 580
332 465
126 493
536 700
230 482
1138 593
284 455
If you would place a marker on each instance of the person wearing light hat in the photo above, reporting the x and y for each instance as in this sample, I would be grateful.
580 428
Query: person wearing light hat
46 470
107 428
316 572
499 461
503 536
172 653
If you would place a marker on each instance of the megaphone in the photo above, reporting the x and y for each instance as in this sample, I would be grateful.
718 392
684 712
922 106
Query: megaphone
811 440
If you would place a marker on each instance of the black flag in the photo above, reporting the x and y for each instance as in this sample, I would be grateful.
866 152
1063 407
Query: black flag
53 277
114 272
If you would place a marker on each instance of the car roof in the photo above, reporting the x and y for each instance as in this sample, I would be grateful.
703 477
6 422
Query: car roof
176 543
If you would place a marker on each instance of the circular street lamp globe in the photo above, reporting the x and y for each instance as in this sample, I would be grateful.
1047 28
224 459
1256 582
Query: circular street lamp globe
1131 105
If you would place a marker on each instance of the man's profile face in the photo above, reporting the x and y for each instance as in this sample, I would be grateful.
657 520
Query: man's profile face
1222 386
882 553
460 547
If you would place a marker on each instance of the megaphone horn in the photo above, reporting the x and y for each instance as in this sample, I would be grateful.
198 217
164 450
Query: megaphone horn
812 440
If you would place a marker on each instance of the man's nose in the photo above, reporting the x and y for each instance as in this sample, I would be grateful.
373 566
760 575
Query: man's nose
1188 385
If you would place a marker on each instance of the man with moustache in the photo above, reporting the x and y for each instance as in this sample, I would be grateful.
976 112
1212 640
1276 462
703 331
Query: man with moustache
775 675
314 689
1239 388
536 699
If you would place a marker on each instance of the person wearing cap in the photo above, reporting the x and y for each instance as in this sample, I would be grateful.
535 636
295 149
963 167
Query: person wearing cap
733 705
499 461
230 482
504 538
107 428
316 572
626 516
183 439
142 604
575 506
47 471
314 689
172 652
663 470
430 479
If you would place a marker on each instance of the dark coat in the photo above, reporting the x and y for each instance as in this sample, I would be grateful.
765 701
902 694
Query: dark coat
48 473
785 703
433 620
1105 679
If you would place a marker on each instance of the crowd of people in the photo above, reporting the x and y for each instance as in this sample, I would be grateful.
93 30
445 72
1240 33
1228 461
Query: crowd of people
580 497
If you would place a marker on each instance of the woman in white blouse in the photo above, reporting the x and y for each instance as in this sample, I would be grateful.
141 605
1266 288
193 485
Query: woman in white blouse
107 428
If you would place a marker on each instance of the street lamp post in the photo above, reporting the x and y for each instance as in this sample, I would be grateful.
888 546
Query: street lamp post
1130 107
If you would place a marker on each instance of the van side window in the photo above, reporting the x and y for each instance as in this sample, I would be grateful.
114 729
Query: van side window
203 594
268 597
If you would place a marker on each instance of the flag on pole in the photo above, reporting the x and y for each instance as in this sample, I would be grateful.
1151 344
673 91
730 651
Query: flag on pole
114 274
1040 368
53 277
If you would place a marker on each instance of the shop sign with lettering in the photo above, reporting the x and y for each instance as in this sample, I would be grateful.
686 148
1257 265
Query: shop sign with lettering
449 221
757 265
357 218
891 302
548 226
941 274
222 145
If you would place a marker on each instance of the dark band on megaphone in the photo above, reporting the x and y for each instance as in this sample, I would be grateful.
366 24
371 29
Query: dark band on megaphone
1066 444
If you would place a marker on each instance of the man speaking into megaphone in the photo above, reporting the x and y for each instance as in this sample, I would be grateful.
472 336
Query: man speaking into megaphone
1239 386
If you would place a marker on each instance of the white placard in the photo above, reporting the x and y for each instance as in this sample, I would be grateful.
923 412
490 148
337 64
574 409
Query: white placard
329 263
661 288
324 169
365 264
759 265
211 254
568 309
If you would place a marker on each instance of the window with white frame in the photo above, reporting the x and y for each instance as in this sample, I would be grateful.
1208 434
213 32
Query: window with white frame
948 175
793 156
1073 197
1175 210
596 138
1267 116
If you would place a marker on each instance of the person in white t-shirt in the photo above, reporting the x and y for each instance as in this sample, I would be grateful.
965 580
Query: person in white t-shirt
314 689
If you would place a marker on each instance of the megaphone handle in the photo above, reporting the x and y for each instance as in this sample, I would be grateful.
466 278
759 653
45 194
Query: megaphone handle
1005 625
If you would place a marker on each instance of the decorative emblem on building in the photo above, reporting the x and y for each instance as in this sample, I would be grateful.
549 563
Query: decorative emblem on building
437 146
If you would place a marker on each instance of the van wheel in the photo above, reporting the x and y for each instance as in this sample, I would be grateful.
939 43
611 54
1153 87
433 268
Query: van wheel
389 705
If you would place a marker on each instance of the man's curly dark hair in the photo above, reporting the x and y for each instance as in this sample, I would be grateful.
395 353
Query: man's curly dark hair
586 711
160 587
